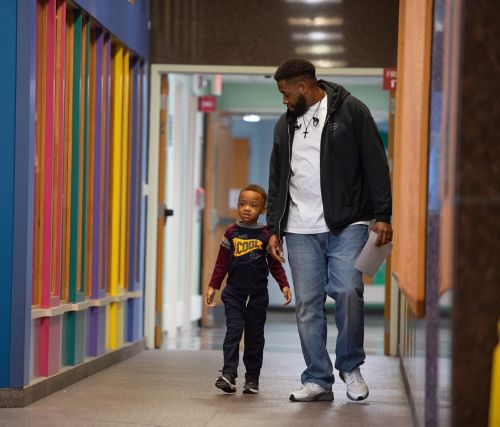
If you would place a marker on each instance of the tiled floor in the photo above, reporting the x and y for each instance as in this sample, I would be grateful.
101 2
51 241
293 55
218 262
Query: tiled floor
174 387
281 334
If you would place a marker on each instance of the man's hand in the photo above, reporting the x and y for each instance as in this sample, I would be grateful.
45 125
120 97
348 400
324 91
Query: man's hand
384 233
276 247
287 294
209 297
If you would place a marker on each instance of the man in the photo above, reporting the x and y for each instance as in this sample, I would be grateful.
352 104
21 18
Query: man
328 182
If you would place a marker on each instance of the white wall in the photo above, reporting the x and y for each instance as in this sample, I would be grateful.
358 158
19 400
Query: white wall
182 238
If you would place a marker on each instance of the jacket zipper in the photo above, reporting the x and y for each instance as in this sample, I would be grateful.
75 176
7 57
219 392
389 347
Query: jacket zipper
287 179
328 114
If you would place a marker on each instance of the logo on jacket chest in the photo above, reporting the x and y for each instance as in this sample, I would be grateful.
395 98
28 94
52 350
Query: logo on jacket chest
245 246
332 126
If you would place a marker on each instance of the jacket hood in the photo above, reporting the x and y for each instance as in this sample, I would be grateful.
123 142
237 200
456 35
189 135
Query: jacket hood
336 95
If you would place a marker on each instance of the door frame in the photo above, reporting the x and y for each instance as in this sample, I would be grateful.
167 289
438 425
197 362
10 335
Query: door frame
150 188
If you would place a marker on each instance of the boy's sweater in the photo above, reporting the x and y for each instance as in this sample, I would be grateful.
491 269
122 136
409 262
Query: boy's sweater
244 256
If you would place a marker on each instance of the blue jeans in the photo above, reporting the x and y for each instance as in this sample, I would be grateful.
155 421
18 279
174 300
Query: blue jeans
323 264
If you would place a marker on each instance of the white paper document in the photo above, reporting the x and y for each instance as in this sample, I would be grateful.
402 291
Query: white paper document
371 257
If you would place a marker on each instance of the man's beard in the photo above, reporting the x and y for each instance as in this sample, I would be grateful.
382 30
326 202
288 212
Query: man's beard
300 107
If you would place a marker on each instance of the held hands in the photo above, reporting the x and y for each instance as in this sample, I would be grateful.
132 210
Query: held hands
287 294
209 297
384 233
276 247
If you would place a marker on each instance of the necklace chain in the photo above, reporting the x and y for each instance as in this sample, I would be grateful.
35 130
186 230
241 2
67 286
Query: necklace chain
313 119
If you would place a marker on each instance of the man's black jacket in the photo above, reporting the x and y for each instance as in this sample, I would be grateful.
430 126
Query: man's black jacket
354 175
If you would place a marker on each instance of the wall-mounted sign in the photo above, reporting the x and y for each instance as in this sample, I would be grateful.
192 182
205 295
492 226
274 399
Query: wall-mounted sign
207 104
390 79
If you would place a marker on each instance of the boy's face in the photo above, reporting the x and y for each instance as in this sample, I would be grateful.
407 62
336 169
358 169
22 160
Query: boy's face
250 206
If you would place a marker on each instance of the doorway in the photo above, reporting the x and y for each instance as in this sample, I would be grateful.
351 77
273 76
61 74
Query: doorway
226 139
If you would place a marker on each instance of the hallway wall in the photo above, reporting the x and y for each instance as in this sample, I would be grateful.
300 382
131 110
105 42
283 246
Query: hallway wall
476 270
75 289
450 305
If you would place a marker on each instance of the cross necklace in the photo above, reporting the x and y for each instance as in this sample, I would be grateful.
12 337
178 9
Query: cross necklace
314 119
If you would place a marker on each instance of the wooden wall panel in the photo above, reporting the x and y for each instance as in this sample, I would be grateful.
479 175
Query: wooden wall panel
59 126
75 160
116 170
105 168
411 150
67 156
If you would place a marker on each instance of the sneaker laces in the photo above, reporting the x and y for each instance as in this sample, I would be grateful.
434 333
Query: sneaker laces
313 387
353 377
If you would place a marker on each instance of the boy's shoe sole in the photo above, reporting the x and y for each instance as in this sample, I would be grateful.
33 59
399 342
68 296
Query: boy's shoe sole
223 384
320 397
250 390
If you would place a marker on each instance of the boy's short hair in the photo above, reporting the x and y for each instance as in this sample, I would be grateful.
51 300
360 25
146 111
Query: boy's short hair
294 68
257 189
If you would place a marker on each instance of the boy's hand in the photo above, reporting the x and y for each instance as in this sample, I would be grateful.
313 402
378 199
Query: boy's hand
209 297
276 248
287 294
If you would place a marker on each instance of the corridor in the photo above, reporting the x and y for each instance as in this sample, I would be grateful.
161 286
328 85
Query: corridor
174 387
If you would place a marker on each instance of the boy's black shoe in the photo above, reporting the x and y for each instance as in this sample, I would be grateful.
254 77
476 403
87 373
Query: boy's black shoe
226 383
251 387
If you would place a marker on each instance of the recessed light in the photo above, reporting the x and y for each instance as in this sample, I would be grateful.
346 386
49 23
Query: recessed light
317 36
313 1
329 63
319 49
318 21
252 118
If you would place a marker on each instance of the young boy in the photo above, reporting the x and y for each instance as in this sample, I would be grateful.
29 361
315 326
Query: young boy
245 257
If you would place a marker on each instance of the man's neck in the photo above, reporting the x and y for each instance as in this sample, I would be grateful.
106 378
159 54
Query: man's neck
316 95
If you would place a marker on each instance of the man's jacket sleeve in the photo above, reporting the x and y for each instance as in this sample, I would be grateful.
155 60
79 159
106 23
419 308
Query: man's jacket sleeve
274 184
375 165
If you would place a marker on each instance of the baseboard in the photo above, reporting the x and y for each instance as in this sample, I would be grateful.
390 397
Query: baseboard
409 393
42 387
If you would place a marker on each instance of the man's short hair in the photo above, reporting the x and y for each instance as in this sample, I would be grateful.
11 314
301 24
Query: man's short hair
294 68
256 189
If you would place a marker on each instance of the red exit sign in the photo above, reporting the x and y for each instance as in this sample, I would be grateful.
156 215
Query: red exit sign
207 104
390 78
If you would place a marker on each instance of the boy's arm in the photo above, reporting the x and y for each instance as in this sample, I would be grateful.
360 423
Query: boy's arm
221 267
220 270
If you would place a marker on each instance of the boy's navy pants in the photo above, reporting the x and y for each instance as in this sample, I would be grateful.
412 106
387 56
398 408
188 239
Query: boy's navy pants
250 318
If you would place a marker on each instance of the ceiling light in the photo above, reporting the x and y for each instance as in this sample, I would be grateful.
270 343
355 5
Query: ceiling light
318 21
329 63
317 36
319 49
313 1
253 118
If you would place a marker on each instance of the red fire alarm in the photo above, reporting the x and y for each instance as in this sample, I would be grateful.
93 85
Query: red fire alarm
207 104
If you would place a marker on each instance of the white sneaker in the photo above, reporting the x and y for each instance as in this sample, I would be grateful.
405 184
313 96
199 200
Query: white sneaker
311 392
356 386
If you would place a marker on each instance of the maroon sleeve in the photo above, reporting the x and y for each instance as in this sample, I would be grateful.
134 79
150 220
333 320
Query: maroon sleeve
277 271
222 263
220 269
